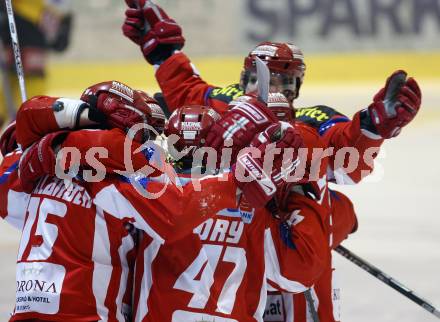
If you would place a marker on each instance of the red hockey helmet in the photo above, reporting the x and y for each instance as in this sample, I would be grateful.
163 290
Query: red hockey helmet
139 100
191 125
114 89
286 64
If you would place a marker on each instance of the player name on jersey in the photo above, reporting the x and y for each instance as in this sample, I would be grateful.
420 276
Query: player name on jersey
70 192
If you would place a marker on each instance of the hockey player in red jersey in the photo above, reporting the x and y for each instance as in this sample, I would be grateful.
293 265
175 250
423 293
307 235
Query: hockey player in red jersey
393 107
220 272
295 248
74 256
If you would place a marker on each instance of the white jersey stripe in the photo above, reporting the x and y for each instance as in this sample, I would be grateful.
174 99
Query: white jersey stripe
288 307
113 202
273 267
103 266
127 246
150 254
258 315
17 204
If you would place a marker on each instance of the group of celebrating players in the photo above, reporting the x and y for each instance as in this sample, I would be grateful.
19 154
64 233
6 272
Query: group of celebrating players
194 236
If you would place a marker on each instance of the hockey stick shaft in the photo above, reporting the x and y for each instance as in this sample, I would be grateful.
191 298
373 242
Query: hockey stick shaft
311 305
380 275
16 49
147 26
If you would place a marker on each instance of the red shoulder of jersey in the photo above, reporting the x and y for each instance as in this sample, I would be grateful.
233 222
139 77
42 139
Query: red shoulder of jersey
13 200
181 85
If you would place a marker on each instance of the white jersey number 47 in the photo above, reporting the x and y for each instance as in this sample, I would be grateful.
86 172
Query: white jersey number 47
204 267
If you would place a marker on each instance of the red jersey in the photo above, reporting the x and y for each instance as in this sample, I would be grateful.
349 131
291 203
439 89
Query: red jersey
13 200
296 247
220 272
74 255
287 307
289 255
181 85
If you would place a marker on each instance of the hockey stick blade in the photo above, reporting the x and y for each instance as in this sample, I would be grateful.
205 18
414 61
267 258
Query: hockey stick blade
263 78
380 275
397 81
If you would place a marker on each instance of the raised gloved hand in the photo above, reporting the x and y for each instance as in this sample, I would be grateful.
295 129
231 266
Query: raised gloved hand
39 160
148 25
116 105
393 107
247 117
8 141
270 170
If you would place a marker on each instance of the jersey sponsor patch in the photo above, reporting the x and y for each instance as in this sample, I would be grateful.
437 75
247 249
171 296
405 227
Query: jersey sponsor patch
274 311
226 94
246 215
320 117
39 287
246 212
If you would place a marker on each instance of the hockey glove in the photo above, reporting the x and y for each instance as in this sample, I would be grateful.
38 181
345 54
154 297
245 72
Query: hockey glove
39 160
393 107
148 25
247 117
267 171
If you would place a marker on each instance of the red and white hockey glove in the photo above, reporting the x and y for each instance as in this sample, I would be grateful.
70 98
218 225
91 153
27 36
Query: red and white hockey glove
247 117
116 105
149 26
394 106
8 141
266 171
39 160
